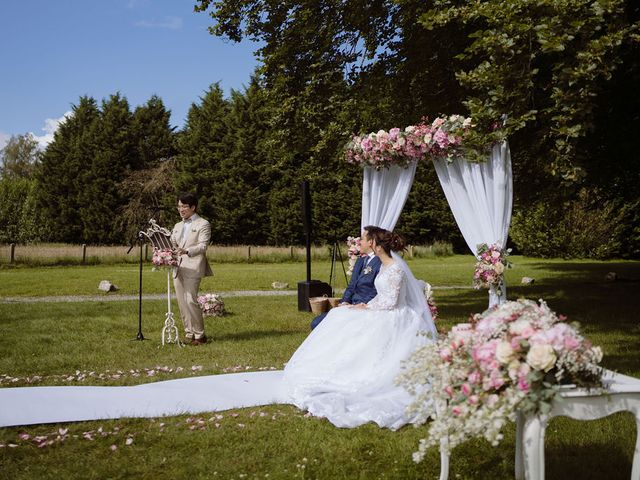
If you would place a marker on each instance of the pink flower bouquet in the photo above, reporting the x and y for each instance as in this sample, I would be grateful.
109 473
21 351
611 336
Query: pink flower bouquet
211 304
492 262
164 258
512 358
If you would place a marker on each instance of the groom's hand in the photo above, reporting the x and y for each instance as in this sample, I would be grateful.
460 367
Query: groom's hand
359 306
181 251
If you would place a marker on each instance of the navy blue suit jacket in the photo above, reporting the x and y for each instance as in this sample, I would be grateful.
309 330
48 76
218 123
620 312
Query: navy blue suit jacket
361 288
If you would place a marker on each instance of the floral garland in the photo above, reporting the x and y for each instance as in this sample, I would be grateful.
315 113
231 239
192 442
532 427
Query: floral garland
443 138
164 257
492 262
514 357
211 305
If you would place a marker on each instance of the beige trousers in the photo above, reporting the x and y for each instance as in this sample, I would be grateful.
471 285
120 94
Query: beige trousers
190 312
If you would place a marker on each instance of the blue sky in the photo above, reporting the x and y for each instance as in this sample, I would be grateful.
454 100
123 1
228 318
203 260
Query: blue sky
53 52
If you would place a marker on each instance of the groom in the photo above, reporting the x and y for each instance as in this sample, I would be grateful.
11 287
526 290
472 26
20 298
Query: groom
361 288
191 236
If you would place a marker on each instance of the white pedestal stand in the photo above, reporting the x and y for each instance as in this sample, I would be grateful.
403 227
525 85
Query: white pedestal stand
170 331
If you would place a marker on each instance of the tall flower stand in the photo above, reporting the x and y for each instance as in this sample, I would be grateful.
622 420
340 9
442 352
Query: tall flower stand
170 331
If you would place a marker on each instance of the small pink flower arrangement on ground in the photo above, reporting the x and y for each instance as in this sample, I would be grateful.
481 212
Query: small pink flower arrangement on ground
490 267
353 252
512 358
211 304
164 257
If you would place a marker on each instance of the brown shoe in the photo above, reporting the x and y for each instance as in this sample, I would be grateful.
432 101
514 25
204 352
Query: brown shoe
199 341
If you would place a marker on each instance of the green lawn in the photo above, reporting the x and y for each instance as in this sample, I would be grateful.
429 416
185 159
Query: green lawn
95 339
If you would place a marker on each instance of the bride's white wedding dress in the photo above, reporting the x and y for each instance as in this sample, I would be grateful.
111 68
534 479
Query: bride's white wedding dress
346 368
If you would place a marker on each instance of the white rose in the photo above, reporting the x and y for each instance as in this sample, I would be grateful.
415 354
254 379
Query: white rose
519 326
504 352
541 357
499 268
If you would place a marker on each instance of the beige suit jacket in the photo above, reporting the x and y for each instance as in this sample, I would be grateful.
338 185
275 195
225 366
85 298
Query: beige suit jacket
195 241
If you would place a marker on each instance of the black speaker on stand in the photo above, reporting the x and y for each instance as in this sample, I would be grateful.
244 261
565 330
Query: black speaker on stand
309 288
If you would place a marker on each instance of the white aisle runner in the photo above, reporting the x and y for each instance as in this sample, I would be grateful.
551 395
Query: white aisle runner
33 405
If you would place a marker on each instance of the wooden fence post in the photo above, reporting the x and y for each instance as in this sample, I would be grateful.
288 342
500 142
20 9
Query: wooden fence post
249 252
410 251
146 251
292 251
84 252
12 253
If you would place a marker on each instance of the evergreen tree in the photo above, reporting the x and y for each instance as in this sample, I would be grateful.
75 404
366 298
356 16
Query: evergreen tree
202 147
114 155
152 133
59 175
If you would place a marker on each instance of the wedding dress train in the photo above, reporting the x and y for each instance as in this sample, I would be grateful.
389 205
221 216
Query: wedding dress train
346 368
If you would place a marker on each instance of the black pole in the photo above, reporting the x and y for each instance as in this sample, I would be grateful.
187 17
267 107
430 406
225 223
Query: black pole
140 336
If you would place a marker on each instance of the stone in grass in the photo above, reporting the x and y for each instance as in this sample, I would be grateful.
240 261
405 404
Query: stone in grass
527 280
106 286
611 277
279 285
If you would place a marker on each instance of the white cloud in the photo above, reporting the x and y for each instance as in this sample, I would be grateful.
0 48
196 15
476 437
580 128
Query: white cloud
4 138
50 127
172 23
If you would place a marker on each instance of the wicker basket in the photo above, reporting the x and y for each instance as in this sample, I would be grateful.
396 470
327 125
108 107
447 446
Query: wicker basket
319 304
334 301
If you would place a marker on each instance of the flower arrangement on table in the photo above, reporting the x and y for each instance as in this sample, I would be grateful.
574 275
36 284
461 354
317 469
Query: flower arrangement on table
211 305
447 137
490 267
164 257
353 252
514 357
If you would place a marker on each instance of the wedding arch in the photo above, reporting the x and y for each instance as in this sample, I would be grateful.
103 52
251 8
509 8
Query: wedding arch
478 188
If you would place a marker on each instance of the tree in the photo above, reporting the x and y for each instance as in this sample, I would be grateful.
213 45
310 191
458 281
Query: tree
20 157
60 174
152 133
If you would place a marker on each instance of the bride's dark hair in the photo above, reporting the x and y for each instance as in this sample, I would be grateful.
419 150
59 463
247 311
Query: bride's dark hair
389 241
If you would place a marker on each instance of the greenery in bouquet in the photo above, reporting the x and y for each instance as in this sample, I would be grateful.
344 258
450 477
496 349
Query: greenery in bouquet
443 138
211 305
490 267
164 257
515 357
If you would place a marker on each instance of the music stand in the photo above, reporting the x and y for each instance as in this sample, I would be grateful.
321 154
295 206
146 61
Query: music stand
160 238
334 259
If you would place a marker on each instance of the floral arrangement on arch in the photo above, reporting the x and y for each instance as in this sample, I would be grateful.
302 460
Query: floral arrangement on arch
490 267
164 257
444 138
516 357
211 305
353 252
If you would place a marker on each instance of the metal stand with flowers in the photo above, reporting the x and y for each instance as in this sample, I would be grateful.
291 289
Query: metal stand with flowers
164 257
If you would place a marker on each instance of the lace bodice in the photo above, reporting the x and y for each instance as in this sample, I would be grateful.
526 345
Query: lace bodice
390 287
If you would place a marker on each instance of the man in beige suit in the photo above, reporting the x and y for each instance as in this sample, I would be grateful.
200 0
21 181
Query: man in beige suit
191 236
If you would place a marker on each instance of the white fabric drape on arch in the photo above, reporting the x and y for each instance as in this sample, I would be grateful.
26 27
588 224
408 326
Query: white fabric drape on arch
480 196
384 193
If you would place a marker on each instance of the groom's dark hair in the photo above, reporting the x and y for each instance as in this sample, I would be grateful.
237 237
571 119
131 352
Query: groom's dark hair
188 199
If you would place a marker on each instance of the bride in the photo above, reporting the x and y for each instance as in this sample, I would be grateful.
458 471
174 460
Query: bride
346 368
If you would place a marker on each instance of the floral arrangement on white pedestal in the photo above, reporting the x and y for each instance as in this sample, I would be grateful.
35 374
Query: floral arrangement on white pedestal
447 137
164 257
514 357
353 252
428 295
211 305
490 267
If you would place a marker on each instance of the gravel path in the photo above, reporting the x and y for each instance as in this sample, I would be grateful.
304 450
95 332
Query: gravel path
115 297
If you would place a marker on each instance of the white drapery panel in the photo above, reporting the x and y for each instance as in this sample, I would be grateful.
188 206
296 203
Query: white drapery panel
384 193
480 196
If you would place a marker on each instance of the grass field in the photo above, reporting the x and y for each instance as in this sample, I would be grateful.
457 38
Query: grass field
91 343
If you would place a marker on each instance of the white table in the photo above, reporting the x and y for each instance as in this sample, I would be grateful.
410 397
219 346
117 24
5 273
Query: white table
623 395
